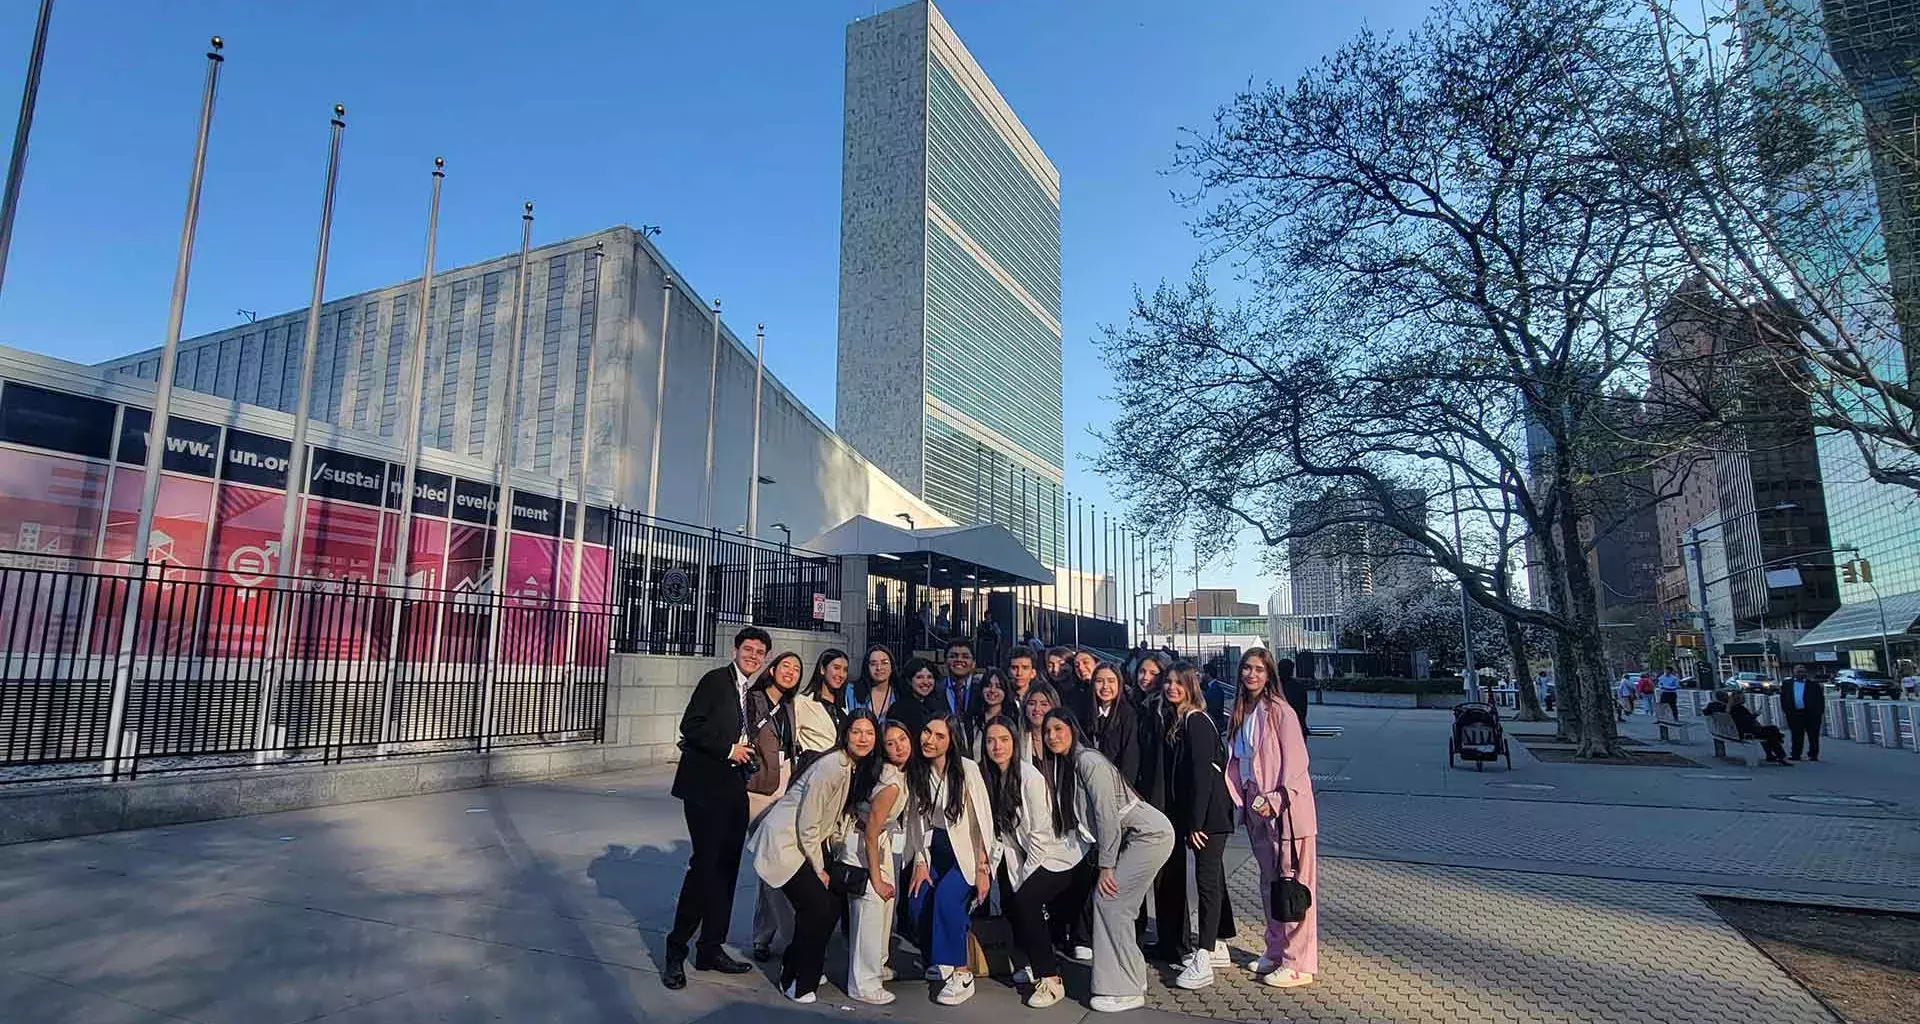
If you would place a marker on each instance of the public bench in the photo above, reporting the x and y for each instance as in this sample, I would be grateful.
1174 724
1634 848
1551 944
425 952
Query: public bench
1666 718
1726 736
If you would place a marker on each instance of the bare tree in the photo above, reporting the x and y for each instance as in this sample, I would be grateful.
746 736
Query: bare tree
1446 282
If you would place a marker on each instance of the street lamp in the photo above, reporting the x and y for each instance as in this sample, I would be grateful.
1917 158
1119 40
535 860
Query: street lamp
1148 612
1712 667
926 609
783 528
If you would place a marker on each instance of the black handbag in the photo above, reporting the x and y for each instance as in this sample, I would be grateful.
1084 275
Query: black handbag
1289 899
849 880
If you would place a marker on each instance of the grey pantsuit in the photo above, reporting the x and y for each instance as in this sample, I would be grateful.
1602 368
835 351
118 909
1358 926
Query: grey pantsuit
1133 839
1119 969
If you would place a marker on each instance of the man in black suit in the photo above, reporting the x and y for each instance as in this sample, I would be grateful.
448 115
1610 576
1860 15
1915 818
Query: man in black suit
711 785
1804 702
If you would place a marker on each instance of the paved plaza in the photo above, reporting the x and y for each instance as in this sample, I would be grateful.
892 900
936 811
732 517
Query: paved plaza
1557 893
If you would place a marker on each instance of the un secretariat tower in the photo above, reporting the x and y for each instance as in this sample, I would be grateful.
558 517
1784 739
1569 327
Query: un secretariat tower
949 367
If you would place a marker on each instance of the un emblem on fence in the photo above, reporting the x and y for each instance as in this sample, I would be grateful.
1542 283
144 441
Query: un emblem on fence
676 586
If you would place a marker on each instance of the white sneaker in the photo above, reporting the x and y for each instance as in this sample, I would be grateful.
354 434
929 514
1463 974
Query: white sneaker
878 997
802 999
1046 992
1220 955
1197 972
1083 954
886 973
1287 977
1262 967
1023 976
1116 1004
957 990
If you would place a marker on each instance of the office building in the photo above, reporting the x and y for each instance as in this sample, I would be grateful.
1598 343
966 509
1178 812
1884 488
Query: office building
1336 564
599 299
1732 496
1871 46
949 348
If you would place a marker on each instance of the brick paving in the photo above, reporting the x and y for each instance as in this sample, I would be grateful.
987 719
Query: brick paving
1405 942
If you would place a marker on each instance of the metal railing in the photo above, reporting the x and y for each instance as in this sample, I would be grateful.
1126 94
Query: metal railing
677 587
116 669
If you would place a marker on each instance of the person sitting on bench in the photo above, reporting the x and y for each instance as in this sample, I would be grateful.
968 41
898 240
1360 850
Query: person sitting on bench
1770 737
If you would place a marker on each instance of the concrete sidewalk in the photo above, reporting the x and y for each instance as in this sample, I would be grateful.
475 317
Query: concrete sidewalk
1445 896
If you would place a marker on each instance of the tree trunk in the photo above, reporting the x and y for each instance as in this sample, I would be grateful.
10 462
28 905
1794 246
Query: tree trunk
1599 737
1527 700
1566 674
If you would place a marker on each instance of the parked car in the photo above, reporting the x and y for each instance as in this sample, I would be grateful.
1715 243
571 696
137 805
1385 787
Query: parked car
1866 683
1753 682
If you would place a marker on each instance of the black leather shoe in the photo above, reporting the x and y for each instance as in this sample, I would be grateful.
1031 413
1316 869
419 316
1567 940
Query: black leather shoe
721 963
675 974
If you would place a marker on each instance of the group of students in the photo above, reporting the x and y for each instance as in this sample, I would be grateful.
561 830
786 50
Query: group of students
1058 791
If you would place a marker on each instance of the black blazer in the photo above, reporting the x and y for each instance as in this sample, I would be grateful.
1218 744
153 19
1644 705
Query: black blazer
1816 698
1156 755
708 730
1200 802
1117 736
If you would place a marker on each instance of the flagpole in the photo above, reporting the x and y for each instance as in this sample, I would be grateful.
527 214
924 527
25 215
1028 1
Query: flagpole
753 482
503 464
713 410
580 510
17 162
659 399
397 575
288 554
157 423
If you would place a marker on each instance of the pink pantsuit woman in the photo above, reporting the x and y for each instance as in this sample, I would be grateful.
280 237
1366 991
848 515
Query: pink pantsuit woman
1268 780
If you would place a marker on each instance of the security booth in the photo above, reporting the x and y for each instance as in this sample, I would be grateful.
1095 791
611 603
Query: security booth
923 587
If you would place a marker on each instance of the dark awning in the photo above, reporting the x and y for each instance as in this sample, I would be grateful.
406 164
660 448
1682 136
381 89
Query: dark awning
985 555
1860 623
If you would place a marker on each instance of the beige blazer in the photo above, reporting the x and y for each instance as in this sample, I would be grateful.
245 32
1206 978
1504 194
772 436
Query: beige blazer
805 823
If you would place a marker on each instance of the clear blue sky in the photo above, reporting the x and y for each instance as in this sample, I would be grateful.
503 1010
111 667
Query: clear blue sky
718 120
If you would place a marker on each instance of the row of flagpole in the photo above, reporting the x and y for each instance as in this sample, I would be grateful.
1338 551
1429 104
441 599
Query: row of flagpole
291 535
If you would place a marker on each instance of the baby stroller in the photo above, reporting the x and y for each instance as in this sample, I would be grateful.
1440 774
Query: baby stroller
1477 737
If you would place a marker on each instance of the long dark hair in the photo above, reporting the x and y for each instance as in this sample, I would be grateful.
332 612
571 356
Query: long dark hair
979 710
1003 785
863 686
819 680
866 777
1243 703
1061 777
920 773
1117 723
860 763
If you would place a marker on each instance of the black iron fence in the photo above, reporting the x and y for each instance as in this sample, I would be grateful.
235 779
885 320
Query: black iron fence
118 669
676 588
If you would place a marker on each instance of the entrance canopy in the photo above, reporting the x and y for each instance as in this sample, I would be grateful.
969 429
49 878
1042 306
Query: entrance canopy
986 555
1859 624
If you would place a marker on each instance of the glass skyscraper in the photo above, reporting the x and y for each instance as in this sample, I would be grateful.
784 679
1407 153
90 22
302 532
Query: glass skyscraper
1871 45
949 356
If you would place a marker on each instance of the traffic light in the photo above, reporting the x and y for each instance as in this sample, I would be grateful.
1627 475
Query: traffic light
1857 571
1865 569
1847 575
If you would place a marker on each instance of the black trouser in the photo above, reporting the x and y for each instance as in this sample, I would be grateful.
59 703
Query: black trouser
1026 910
1772 742
1070 914
815 909
717 833
1210 885
1806 732
1670 699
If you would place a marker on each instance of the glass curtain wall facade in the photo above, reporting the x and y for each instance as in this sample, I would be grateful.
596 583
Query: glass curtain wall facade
1871 45
949 367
